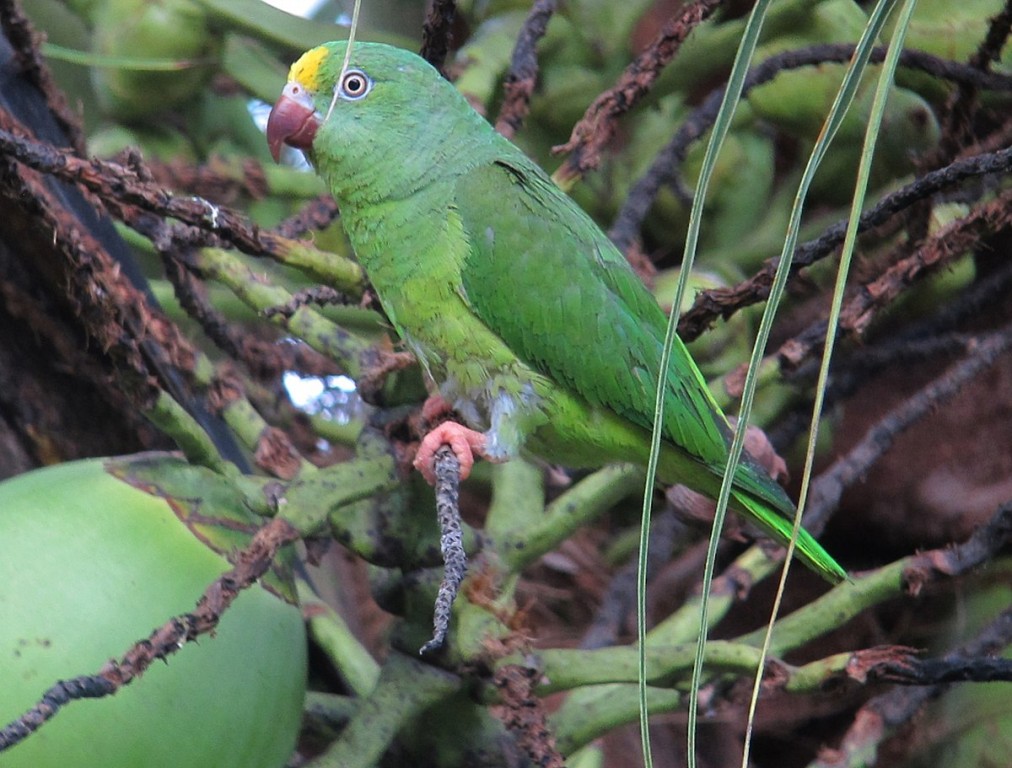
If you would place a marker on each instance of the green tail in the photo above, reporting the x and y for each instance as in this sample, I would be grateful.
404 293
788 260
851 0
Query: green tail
807 549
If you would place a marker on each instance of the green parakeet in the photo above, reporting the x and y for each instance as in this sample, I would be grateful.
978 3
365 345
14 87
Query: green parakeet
524 315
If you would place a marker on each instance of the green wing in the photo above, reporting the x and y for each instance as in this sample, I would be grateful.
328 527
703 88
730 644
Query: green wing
543 276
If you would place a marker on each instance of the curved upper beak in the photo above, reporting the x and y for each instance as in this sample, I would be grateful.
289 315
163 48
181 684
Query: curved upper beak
293 120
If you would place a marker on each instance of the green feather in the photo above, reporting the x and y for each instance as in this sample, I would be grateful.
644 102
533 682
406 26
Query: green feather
524 314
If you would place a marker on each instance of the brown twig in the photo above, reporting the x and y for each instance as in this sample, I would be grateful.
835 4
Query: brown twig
251 563
25 41
524 715
981 546
127 186
938 671
128 192
830 485
932 338
724 302
192 298
436 32
970 664
320 295
884 714
451 543
951 242
265 360
217 178
113 311
958 110
991 46
316 214
597 126
523 74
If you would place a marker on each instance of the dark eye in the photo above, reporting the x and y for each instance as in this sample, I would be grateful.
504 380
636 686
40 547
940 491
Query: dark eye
355 84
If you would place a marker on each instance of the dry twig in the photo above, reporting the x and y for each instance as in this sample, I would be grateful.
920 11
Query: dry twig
597 126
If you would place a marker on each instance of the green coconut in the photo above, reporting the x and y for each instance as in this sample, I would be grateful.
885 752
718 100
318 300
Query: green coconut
96 554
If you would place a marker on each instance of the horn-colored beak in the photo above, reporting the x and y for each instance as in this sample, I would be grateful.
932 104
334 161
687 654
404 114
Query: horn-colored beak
293 120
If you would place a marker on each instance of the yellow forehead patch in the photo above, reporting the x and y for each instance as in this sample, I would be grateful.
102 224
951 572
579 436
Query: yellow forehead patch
307 69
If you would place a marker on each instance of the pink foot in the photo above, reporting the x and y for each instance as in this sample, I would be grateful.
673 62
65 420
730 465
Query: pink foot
463 442
434 409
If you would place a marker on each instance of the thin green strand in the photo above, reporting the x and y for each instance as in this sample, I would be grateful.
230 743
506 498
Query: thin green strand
845 95
721 126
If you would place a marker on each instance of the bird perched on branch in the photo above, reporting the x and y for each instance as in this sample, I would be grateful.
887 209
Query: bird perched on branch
528 321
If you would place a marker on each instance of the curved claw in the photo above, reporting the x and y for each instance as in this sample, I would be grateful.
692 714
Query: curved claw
464 443
435 408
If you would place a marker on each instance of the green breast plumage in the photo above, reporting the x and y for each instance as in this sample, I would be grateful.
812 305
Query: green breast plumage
414 263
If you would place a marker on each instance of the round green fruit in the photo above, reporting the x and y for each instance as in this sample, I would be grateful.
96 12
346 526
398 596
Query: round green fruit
96 554
158 30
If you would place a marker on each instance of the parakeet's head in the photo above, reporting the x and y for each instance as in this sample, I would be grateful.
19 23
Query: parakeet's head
389 110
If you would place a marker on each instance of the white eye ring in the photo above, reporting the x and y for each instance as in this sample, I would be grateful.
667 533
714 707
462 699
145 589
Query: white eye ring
354 85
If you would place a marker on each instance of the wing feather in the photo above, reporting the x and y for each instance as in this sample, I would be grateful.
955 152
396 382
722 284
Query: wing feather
586 319
542 275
